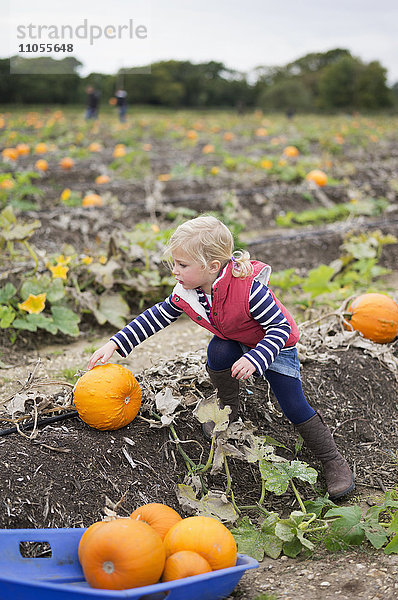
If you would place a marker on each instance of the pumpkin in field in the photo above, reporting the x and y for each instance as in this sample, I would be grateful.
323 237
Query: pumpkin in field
92 200
41 148
101 179
95 147
107 397
159 516
291 151
119 151
66 163
184 563
10 153
318 177
41 164
23 149
375 316
122 554
206 536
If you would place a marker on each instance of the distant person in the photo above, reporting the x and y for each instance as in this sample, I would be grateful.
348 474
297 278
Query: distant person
121 103
290 113
93 97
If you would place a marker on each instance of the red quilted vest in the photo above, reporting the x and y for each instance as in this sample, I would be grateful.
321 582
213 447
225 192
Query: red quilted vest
230 315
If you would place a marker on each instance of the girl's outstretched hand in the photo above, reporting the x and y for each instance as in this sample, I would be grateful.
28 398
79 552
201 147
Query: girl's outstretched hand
103 354
242 368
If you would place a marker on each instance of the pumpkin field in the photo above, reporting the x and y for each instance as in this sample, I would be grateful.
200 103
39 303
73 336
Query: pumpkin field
86 208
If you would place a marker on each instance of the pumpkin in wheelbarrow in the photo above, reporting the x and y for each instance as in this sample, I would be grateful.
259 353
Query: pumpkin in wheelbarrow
107 397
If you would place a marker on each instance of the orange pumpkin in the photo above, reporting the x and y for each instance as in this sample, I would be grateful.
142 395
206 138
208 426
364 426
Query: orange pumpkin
95 147
92 200
10 153
228 136
375 316
184 564
119 151
261 132
191 134
206 536
66 163
23 149
318 177
108 397
41 148
122 554
101 179
291 151
208 149
159 516
85 537
41 164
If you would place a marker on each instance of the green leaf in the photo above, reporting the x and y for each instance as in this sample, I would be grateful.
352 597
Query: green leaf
55 291
7 292
316 506
66 320
348 526
392 546
255 542
7 315
275 478
24 324
114 309
292 548
375 534
301 470
33 321
284 530
318 281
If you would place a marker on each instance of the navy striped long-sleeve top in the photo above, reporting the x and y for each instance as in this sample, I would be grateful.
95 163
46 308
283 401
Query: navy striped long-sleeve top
262 308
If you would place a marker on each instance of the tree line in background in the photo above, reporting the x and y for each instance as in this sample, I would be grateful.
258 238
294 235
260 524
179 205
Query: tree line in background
329 81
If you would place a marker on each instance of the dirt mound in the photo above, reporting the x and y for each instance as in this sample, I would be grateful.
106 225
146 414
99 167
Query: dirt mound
70 472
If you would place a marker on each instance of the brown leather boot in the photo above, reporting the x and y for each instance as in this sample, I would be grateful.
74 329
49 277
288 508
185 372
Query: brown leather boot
228 395
318 438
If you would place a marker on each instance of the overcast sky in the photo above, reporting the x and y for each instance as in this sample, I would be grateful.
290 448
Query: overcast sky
241 34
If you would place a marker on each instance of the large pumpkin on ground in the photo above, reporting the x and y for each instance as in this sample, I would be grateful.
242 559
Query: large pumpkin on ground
107 397
375 316
206 536
159 516
122 554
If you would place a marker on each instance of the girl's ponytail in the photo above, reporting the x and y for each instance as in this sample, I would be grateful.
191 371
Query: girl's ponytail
241 265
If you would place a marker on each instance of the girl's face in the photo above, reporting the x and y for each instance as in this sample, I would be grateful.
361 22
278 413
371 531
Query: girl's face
192 274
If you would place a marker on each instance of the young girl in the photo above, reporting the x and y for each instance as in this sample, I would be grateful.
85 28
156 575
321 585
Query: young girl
228 294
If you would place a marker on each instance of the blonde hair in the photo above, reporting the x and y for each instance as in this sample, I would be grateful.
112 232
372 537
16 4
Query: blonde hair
206 239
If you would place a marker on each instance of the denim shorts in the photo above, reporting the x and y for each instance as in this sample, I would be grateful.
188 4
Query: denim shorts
286 363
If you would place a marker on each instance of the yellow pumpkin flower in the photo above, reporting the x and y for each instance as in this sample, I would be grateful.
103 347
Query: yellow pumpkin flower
33 304
63 260
65 194
266 164
59 271
87 260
